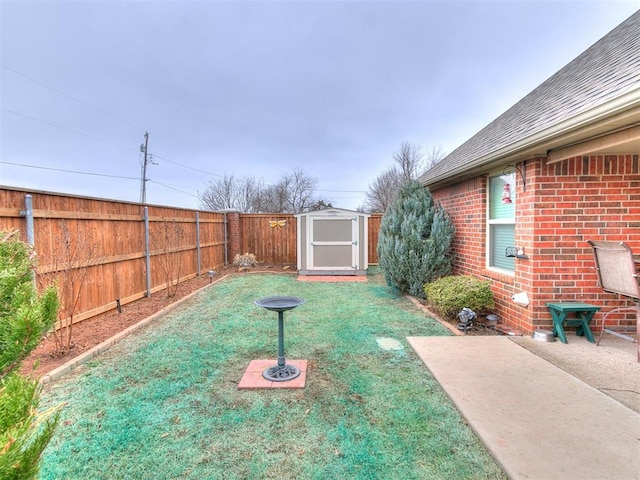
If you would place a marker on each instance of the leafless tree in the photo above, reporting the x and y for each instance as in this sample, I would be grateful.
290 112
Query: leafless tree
293 193
382 191
231 192
432 157
300 186
273 198
410 162
167 241
73 255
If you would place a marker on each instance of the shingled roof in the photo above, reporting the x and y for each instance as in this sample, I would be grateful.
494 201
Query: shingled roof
606 71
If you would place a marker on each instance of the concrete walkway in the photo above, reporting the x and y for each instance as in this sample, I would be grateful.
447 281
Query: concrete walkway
538 421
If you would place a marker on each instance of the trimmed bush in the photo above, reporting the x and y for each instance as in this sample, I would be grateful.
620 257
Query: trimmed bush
414 243
245 261
449 295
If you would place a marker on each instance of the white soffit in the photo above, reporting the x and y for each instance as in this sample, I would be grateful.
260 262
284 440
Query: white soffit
622 141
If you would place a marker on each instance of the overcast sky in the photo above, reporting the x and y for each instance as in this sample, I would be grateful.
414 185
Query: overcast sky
259 88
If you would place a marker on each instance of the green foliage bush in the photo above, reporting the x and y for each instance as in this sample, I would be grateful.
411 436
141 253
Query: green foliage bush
449 295
414 243
25 317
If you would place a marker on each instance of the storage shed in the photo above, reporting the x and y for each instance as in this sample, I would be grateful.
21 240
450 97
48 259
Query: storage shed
332 242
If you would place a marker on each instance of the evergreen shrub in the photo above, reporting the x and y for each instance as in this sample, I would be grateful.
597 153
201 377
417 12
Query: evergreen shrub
25 317
449 295
414 243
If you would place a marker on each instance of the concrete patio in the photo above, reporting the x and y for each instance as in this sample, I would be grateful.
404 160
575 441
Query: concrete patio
545 410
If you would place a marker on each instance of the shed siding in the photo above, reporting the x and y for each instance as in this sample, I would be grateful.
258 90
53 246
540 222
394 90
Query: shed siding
345 241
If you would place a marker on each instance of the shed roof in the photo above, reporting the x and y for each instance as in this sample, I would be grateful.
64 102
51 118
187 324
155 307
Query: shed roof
332 211
607 73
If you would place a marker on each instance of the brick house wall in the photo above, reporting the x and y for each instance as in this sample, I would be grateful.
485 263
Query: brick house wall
565 204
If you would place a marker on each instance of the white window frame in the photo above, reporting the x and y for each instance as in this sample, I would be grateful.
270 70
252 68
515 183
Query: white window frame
498 221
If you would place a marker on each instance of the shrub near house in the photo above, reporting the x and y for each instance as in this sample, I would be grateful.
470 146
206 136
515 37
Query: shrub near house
449 295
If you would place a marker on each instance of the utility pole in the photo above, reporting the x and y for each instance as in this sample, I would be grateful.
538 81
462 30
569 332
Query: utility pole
143 185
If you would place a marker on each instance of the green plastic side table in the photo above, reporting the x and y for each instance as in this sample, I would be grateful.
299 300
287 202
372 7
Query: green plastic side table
561 311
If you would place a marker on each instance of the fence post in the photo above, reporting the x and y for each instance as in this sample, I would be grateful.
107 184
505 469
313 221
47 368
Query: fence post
28 214
31 237
226 241
147 249
198 243
234 243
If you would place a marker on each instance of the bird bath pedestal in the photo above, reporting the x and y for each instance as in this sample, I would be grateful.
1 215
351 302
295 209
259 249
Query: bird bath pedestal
280 372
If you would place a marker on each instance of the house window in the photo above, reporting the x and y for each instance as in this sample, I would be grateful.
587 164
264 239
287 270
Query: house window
501 219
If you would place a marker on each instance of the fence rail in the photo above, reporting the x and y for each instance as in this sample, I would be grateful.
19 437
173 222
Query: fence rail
105 253
126 251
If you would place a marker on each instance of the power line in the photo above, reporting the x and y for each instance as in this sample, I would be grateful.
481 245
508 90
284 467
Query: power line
172 188
75 99
187 166
86 104
82 102
69 171
96 175
51 124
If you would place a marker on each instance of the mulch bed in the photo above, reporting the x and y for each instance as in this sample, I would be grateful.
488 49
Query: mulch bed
93 331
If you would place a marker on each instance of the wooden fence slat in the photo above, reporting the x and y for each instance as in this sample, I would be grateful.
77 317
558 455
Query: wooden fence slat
118 269
85 216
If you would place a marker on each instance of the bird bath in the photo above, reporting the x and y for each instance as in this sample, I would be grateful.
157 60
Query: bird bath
280 372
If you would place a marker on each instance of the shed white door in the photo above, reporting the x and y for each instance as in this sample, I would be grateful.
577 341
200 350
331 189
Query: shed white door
334 243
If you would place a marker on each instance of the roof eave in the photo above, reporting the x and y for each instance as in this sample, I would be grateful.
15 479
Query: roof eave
540 142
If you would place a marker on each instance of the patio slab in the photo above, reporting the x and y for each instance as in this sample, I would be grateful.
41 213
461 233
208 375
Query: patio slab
537 420
332 278
253 379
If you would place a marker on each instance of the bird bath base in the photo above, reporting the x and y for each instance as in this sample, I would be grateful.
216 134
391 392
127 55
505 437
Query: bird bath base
252 379
280 372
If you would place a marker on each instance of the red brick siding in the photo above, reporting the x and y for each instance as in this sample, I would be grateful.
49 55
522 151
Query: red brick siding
564 205
583 198
233 231
466 204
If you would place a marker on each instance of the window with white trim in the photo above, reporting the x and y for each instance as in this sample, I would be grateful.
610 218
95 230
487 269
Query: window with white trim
501 221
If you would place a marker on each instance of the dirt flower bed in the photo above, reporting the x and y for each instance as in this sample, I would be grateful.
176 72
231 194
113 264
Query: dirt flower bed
91 332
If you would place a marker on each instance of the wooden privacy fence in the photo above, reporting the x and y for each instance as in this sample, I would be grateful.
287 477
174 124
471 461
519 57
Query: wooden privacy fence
374 228
103 254
273 237
108 253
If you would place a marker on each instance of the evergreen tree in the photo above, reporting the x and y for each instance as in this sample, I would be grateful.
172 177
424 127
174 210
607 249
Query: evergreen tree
414 243
25 317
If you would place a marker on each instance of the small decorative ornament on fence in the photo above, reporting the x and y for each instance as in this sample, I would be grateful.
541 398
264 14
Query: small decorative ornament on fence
277 223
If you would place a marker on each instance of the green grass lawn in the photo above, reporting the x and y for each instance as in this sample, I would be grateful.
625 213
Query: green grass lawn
164 403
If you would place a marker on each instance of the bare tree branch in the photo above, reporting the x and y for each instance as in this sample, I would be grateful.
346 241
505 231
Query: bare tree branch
293 193
410 162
